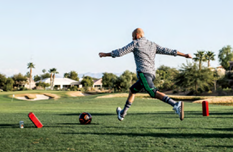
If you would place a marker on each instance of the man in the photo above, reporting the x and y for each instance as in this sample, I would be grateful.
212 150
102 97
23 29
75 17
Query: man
144 54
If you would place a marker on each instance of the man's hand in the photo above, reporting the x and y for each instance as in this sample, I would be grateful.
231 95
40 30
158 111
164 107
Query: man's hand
101 54
188 56
184 55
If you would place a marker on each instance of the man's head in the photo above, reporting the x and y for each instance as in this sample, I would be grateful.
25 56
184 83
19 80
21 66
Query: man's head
137 33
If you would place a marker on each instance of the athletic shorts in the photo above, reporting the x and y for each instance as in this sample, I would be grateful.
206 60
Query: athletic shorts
145 81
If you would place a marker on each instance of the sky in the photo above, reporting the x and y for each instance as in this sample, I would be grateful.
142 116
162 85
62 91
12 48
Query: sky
69 34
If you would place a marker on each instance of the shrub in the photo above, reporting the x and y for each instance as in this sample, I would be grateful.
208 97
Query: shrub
42 84
74 88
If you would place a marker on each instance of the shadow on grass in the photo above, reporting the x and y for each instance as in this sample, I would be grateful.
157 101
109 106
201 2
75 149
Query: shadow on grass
15 126
219 146
59 125
92 114
221 113
221 129
9 126
165 135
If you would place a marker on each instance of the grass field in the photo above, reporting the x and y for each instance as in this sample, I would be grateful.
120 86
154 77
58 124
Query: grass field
150 125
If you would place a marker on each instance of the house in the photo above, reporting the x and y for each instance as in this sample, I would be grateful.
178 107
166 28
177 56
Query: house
30 86
62 82
97 83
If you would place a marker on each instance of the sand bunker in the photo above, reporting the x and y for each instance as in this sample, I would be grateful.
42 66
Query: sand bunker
34 97
76 93
217 100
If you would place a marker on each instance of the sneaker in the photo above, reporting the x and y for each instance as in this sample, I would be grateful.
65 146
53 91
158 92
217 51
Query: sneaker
179 109
119 116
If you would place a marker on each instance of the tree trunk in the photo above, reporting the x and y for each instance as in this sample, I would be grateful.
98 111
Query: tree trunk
200 65
195 88
208 63
215 85
51 81
30 79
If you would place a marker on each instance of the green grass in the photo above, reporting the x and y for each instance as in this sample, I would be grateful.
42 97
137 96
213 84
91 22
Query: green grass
150 125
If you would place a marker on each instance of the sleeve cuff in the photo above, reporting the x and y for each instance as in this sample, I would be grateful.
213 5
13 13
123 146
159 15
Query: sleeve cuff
175 52
113 55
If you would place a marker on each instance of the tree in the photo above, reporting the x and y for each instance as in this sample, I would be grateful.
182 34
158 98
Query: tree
19 79
193 78
42 84
44 71
165 77
66 75
124 82
209 56
225 55
87 81
30 66
200 57
72 75
27 75
36 78
8 85
45 75
2 80
52 72
108 80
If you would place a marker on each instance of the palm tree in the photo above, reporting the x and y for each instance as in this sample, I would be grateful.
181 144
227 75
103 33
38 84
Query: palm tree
30 66
199 56
55 72
52 72
209 56
51 76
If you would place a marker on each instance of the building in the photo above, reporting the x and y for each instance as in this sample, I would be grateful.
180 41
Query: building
62 82
30 86
97 83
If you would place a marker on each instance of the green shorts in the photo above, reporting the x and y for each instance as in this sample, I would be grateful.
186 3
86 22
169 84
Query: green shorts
145 81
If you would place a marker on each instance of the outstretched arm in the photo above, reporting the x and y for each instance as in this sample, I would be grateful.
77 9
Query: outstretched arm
184 55
162 50
119 52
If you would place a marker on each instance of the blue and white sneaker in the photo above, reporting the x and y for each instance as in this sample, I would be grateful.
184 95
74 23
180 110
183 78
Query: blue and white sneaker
179 109
119 116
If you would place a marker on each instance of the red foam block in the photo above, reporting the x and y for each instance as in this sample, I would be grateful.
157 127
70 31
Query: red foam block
205 108
35 120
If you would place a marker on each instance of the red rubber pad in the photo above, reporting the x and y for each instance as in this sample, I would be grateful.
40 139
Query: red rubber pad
35 120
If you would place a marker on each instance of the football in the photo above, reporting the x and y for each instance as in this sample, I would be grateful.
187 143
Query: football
85 118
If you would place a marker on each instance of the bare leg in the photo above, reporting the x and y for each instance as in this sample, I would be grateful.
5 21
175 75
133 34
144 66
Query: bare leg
159 95
131 97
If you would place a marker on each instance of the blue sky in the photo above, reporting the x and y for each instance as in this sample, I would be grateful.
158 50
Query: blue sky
68 35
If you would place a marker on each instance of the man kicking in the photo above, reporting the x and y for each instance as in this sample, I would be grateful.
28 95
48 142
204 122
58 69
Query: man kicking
144 55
